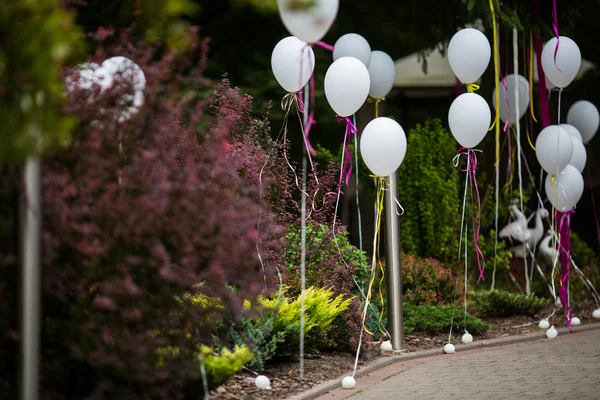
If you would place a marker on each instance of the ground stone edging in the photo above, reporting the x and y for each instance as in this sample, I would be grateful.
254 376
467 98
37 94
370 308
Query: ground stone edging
328 386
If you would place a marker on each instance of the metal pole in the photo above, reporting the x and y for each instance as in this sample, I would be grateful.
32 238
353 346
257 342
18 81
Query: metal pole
30 282
393 272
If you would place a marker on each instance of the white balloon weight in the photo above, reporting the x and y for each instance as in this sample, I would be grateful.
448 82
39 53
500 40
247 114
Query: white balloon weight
544 324
565 189
311 22
574 132
469 54
568 61
386 346
347 85
575 321
469 119
596 313
382 71
551 333
507 98
584 116
348 382
554 149
293 63
467 338
449 348
579 157
352 45
383 146
262 382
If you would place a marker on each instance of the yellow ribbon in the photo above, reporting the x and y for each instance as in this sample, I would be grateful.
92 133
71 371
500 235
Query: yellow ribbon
496 122
376 101
472 87
531 77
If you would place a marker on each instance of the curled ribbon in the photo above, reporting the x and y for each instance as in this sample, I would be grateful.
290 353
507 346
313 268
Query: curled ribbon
376 102
555 27
564 247
474 189
347 167
472 87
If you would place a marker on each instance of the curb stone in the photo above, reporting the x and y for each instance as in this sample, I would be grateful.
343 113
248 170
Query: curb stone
330 385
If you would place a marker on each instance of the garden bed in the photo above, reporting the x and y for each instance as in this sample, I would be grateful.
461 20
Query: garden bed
285 379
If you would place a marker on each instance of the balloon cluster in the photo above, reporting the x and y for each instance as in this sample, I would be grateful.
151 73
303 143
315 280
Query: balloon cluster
356 73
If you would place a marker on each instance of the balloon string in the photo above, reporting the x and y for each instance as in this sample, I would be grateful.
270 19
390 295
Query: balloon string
531 107
376 102
311 115
347 163
471 171
378 213
472 87
324 45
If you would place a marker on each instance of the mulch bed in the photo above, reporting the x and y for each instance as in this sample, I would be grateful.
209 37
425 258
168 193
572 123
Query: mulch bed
285 377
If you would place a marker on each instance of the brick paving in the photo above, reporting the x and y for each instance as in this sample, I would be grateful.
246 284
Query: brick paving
567 367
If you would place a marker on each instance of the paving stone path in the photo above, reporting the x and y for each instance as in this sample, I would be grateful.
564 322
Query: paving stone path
567 367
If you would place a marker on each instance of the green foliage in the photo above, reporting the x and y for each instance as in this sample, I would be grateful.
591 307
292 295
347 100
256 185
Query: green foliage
500 303
429 183
258 333
374 324
427 281
583 255
321 250
38 37
435 319
222 366
321 308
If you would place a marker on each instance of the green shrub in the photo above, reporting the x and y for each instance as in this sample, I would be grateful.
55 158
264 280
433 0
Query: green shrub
583 254
429 183
321 309
427 281
221 367
435 319
500 303
258 333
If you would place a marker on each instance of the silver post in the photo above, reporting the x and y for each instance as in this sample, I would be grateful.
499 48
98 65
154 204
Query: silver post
393 272
30 282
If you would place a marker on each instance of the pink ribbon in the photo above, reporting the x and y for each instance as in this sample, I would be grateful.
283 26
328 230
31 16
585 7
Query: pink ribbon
311 116
472 171
555 27
324 45
347 167
564 247
504 92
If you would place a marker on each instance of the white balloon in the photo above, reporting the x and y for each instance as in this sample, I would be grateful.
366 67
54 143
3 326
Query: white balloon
382 71
549 85
449 348
551 333
544 324
262 382
507 98
575 321
564 190
554 149
383 146
386 346
574 132
352 45
308 23
347 85
584 116
348 382
469 119
469 54
568 61
579 157
467 338
293 63
83 77
596 313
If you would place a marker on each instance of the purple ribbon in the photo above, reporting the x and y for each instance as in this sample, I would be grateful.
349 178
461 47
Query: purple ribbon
472 171
324 45
347 167
311 120
564 247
